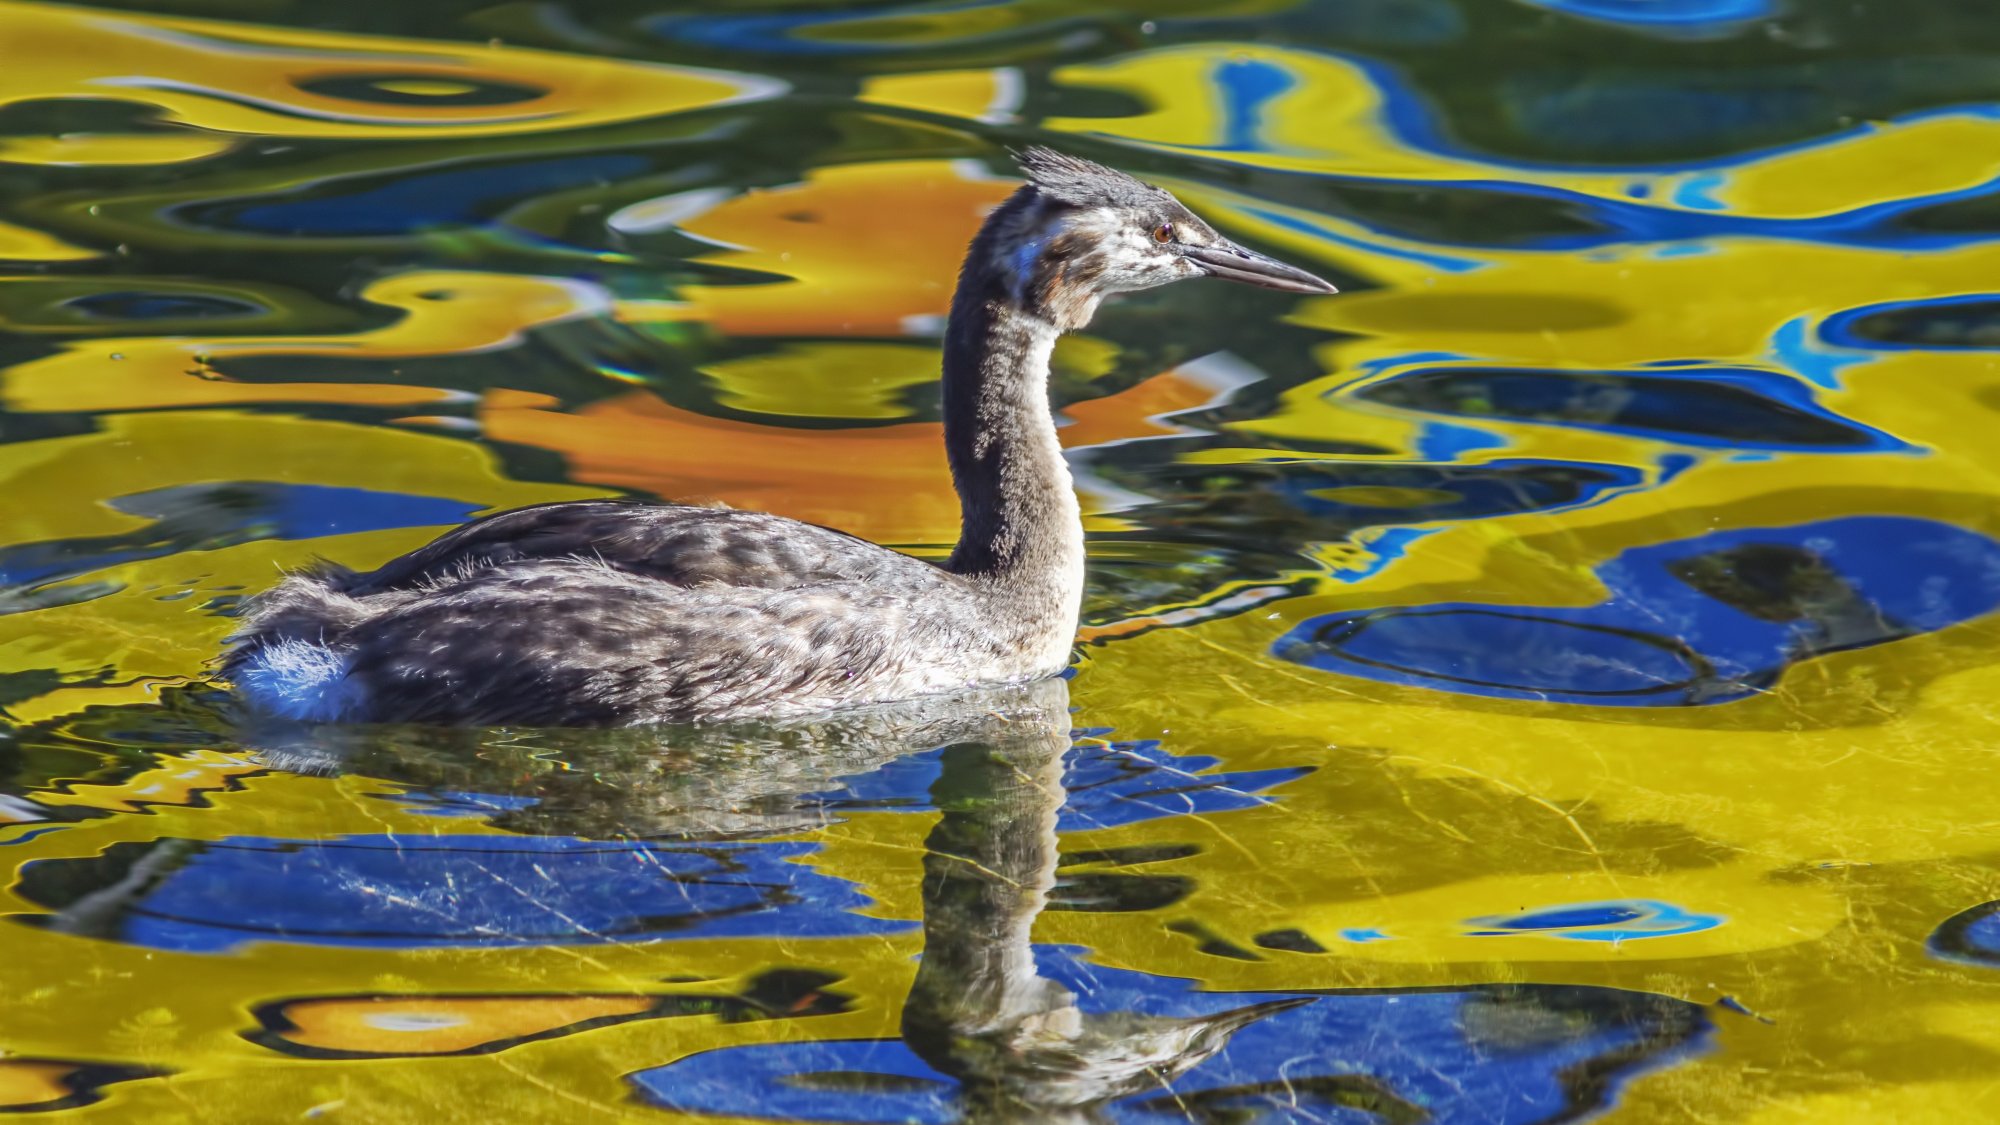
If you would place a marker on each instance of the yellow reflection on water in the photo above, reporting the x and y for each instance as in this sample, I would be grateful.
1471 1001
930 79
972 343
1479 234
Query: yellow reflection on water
271 81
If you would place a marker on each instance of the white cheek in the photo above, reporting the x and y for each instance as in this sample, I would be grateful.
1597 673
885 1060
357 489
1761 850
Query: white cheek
1142 263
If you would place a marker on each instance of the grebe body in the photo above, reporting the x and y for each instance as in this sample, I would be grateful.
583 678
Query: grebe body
613 613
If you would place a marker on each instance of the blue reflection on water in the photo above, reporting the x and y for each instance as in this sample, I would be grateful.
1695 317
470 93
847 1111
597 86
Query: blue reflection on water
1674 15
1959 321
1107 785
1692 622
1697 193
1246 85
1627 920
414 201
1445 441
1492 1055
217 514
1794 346
411 892
292 510
402 891
1972 937
847 31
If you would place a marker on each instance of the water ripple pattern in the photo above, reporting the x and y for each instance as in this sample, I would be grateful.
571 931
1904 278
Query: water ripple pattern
1551 679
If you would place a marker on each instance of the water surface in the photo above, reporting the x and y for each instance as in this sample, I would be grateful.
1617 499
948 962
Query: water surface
1550 679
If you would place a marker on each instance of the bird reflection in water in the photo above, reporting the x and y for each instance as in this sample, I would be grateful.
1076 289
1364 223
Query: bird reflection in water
980 1011
605 835
724 780
631 836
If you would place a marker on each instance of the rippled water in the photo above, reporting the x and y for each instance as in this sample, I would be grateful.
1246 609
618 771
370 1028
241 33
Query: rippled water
1551 678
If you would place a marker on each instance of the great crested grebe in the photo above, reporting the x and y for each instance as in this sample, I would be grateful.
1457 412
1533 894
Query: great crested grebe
614 613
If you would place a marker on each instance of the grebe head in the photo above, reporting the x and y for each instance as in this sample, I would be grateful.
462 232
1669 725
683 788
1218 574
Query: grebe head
1079 232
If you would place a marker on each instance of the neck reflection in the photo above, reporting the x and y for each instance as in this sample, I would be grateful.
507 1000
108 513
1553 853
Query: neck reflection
980 1011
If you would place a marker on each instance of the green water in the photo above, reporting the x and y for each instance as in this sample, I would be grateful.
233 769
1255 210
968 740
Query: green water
1550 679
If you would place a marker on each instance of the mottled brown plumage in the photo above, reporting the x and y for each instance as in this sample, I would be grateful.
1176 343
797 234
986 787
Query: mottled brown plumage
610 613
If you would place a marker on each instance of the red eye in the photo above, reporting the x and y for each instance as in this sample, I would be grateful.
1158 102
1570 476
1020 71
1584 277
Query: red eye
1163 233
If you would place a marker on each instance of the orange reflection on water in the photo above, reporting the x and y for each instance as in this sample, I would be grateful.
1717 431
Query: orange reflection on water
867 248
387 1026
885 483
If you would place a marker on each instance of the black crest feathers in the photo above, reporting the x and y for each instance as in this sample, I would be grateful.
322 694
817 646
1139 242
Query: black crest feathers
1081 183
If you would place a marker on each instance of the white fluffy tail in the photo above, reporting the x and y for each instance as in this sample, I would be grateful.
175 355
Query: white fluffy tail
296 679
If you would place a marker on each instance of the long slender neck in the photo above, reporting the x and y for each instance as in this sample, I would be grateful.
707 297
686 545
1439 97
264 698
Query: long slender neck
1021 528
